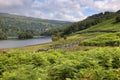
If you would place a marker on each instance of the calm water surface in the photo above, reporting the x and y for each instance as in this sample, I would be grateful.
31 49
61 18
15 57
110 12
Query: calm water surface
21 43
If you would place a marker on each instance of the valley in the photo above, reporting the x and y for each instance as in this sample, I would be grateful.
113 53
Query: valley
84 50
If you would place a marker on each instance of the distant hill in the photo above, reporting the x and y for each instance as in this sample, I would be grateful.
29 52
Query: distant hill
93 26
101 21
12 25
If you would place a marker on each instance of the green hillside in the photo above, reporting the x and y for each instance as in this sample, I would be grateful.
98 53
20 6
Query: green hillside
108 22
88 22
108 25
12 25
108 33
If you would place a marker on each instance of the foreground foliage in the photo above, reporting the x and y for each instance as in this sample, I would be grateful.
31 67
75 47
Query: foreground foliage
108 39
96 64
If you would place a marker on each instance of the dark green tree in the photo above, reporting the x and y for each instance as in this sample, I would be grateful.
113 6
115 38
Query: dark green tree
118 18
3 36
25 36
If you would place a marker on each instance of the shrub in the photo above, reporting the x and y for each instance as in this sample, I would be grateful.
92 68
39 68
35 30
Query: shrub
65 37
116 61
109 39
62 72
3 36
94 64
55 38
118 18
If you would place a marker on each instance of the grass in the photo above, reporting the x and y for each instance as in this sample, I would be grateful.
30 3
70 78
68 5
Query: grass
106 25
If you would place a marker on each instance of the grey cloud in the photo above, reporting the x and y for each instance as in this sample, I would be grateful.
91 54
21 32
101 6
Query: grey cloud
70 10
107 5
60 9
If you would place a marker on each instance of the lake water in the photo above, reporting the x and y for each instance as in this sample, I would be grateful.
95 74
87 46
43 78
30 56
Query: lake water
14 43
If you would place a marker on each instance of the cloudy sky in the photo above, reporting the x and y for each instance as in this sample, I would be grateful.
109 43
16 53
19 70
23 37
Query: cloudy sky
67 10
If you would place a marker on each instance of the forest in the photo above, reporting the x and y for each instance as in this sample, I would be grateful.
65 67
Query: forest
12 25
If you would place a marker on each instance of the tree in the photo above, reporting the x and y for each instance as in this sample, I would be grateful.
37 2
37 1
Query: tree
3 36
118 18
25 36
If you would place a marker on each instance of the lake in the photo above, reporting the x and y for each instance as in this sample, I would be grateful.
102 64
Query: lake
14 43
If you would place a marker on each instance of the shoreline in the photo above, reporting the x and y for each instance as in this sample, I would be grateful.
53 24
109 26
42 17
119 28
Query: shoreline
11 44
2 49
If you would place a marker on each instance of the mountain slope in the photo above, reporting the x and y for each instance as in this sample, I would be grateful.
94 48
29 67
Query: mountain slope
91 34
108 25
14 24
89 22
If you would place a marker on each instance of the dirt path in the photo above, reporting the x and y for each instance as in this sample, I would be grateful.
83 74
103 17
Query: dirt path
65 46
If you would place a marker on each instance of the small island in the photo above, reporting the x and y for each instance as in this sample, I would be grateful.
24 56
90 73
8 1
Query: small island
25 35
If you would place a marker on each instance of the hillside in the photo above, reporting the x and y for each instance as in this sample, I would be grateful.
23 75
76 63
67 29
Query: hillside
103 18
107 33
15 24
108 25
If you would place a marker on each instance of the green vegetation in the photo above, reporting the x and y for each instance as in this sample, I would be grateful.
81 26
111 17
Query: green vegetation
14 24
101 22
96 64
25 36
90 54
2 36
118 18
106 26
109 39
88 22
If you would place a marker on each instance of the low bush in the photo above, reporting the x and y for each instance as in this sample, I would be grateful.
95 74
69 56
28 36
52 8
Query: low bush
118 18
109 39
95 64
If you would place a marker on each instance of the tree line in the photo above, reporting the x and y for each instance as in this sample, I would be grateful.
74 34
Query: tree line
23 35
13 25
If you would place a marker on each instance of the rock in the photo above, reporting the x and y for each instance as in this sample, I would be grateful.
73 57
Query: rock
41 50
